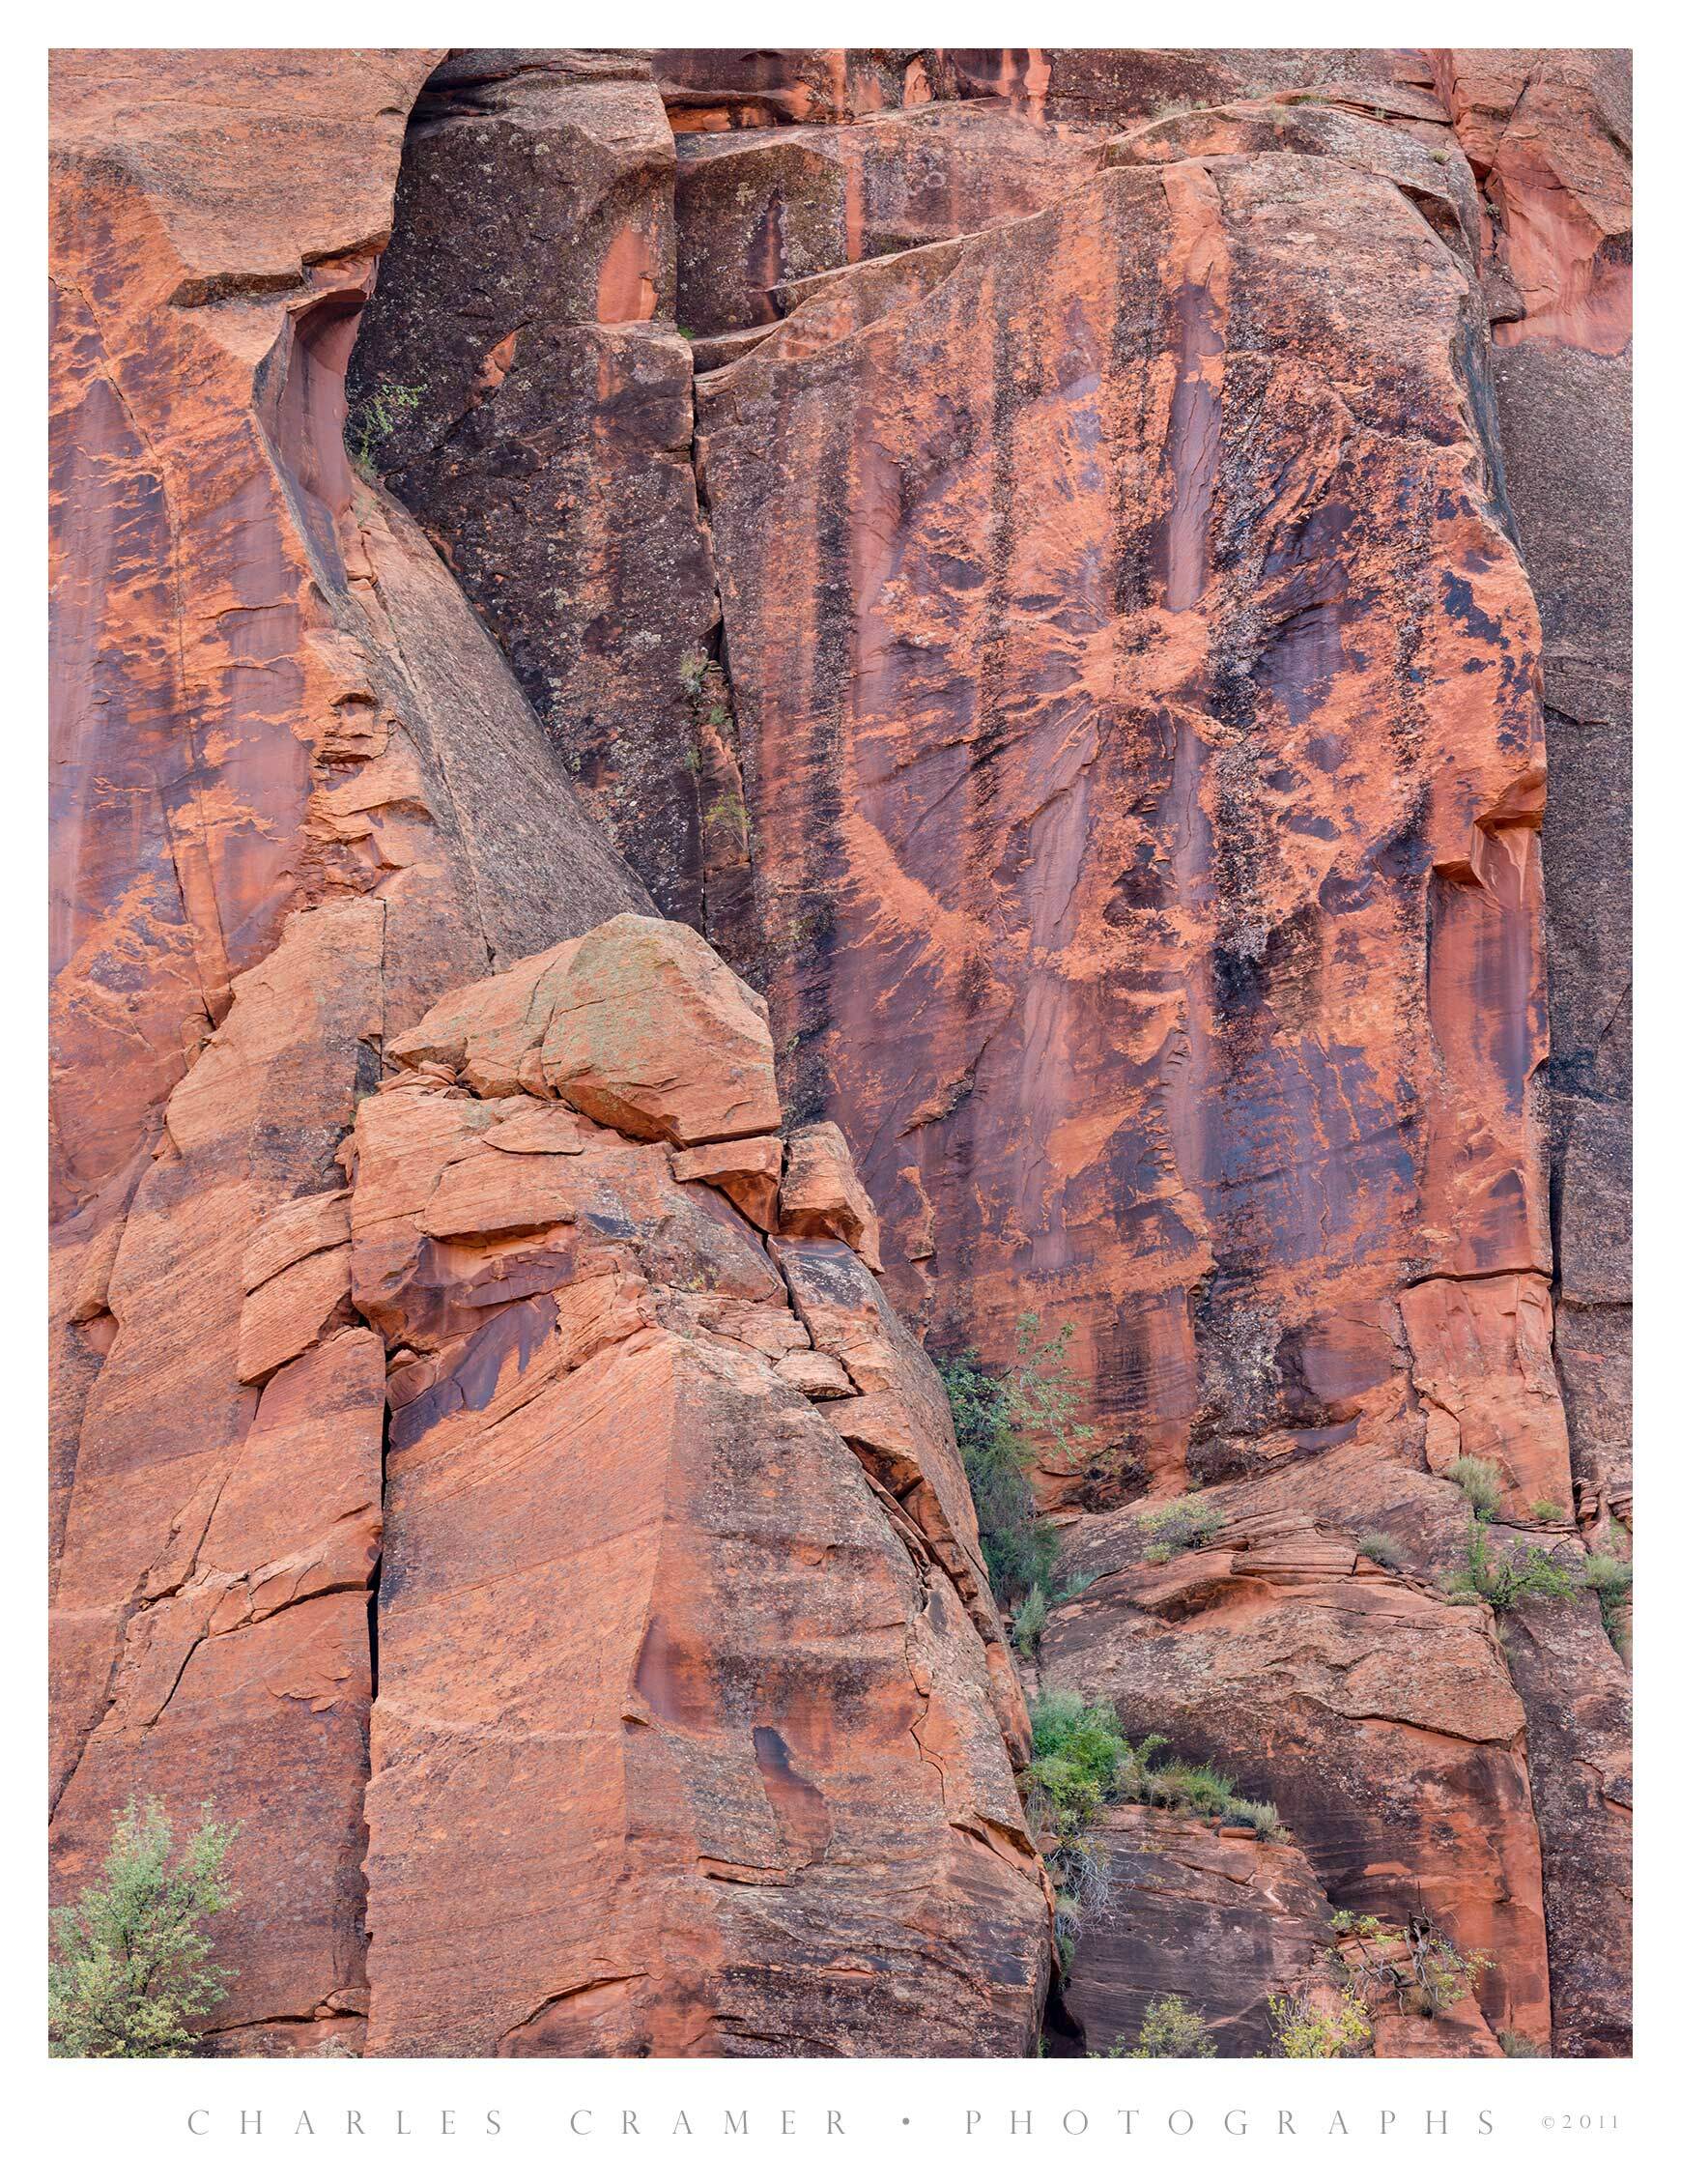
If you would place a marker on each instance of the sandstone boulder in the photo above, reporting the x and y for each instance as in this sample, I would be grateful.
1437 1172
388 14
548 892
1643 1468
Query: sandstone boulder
652 1033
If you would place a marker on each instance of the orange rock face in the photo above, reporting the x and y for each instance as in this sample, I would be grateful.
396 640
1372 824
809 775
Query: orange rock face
297 794
1092 580
672 1647
1128 879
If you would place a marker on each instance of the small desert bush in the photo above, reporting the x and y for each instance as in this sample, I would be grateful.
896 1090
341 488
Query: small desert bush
1171 2028
1260 1814
1549 1513
1504 1579
1428 1974
1481 1483
1031 1618
1519 2046
1003 1421
1611 1578
1306 2034
1190 1522
132 1971
1380 1547
379 412
1185 1788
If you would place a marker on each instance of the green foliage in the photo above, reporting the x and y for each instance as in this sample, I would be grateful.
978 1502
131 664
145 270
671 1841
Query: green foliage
1549 1513
1507 1578
691 671
1184 1788
1481 1483
1611 1577
1519 2046
1380 1547
1081 1758
728 811
1003 1421
1261 1815
132 1972
380 411
1031 1618
1190 1522
1171 2028
1307 2034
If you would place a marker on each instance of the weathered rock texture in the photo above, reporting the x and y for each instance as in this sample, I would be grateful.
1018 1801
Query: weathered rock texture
680 1657
523 385
1143 733
1091 576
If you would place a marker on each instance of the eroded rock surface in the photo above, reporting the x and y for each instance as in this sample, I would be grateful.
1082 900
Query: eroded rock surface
297 794
685 1636
1089 576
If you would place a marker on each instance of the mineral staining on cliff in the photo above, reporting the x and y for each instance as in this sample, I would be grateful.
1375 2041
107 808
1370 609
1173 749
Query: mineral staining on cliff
1069 568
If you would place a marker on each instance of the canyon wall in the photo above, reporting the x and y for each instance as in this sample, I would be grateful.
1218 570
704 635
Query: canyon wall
1094 581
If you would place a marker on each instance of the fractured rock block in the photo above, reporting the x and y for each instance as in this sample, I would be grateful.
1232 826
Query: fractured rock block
654 1034
747 1171
822 1194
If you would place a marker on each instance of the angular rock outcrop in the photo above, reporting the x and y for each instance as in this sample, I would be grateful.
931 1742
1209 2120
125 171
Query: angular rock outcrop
1234 1926
1379 1718
678 1653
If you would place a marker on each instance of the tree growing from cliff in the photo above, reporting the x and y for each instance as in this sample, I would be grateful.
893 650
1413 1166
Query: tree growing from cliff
132 1972
1004 1422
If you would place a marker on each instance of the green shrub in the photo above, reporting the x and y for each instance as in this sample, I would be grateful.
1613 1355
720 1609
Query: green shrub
1505 1579
1171 2028
1611 1578
379 412
1003 1420
1081 1758
1190 1522
1260 1815
1549 1513
1307 2034
1380 1547
1481 1483
1030 1620
1182 1787
1519 2046
132 1972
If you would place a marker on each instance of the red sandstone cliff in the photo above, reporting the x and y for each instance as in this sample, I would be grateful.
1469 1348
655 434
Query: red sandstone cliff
1090 579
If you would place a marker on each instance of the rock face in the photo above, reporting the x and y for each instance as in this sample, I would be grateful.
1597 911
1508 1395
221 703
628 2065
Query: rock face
527 394
1087 578
674 1654
1232 1925
1129 879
